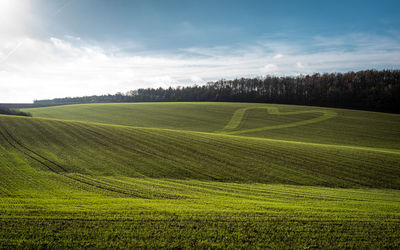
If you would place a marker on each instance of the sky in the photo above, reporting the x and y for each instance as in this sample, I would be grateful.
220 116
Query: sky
60 48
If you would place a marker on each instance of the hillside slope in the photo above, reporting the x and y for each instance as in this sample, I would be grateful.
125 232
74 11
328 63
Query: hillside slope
263 176
286 122
81 149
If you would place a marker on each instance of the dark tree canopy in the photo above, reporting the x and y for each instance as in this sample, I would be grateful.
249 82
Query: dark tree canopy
368 89
8 111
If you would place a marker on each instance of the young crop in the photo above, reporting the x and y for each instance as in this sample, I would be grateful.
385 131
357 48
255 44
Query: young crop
199 175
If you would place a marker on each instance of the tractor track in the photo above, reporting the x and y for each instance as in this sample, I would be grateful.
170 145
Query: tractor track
151 154
61 170
238 117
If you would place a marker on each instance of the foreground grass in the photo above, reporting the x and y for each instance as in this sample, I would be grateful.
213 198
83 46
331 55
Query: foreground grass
205 214
199 176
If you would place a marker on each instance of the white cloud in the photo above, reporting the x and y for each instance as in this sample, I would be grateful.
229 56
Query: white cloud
299 65
70 67
270 68
196 79
60 44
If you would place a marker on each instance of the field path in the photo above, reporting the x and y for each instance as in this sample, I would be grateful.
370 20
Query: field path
238 117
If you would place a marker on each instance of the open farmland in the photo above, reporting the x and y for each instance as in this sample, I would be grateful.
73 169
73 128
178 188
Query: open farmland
347 127
193 175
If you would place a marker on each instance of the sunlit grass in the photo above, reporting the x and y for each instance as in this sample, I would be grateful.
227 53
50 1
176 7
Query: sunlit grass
144 178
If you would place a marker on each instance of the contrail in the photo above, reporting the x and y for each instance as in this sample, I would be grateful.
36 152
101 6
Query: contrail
12 51
61 8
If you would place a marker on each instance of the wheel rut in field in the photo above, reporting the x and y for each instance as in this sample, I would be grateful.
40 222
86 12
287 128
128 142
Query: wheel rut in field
233 126
59 170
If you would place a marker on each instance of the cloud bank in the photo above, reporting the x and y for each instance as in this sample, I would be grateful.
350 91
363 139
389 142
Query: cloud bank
58 67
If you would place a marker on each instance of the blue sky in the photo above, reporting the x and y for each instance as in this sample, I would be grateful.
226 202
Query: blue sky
56 48
169 25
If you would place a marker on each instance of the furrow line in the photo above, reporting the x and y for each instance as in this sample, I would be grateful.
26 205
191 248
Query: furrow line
65 173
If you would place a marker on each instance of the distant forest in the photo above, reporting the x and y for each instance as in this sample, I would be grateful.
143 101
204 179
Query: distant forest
368 89
8 111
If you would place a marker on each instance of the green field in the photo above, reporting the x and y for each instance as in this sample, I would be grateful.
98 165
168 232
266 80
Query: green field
199 175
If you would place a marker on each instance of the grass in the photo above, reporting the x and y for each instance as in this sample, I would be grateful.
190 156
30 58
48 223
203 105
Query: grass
234 125
211 214
199 175
348 127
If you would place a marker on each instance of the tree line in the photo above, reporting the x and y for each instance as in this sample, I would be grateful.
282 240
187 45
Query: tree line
8 111
367 89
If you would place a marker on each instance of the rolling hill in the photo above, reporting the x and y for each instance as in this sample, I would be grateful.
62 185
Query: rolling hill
342 126
192 175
